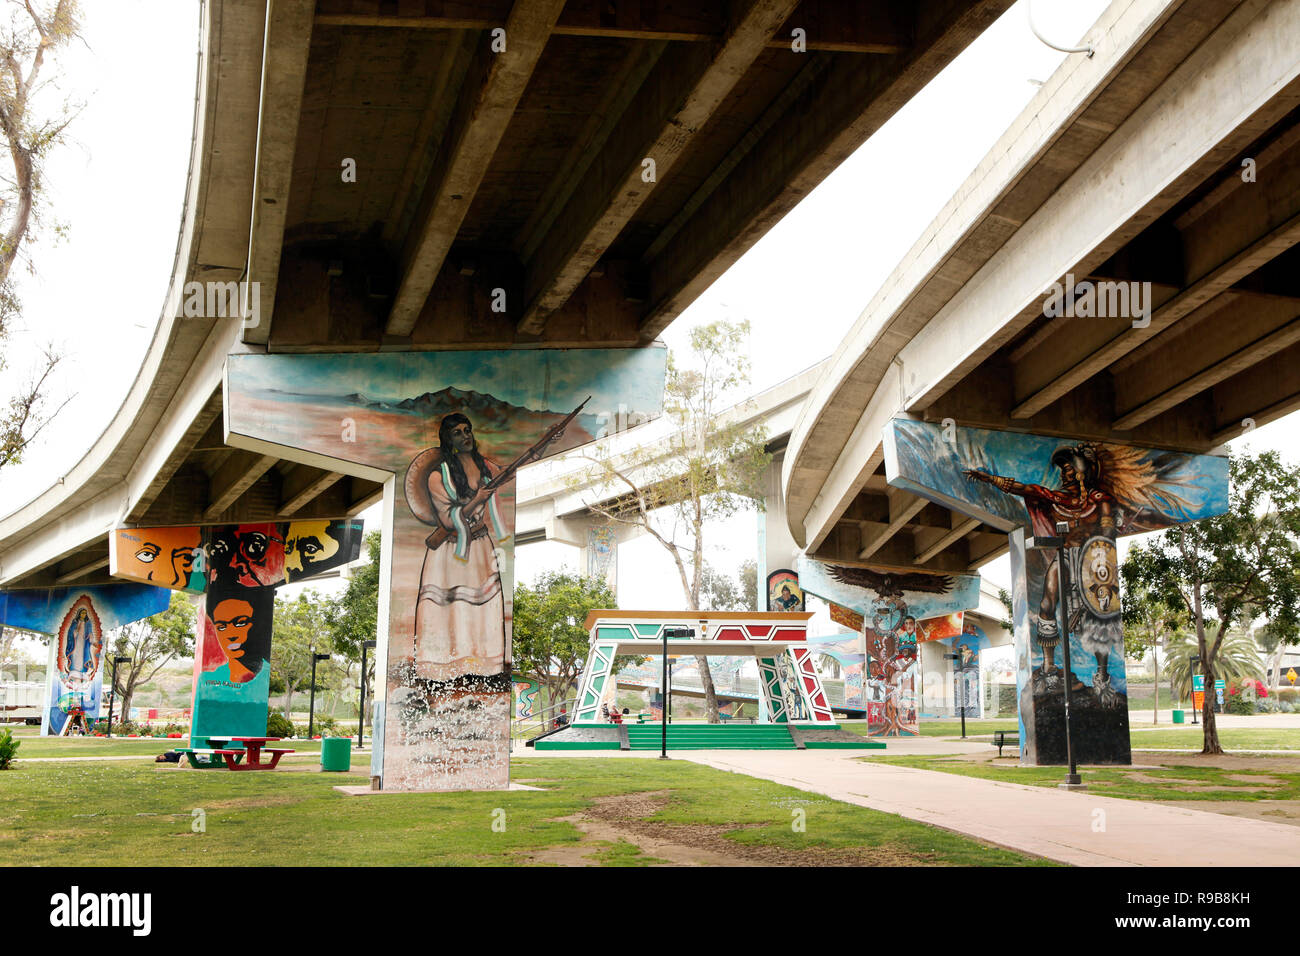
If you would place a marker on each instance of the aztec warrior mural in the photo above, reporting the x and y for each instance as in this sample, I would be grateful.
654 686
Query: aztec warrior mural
894 613
447 432
78 620
1027 484
237 568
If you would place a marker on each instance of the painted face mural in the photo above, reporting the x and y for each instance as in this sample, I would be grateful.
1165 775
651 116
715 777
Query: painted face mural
248 555
239 568
77 620
783 592
1096 491
449 428
168 557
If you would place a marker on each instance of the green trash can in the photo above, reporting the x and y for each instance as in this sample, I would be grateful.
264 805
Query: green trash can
336 754
1178 716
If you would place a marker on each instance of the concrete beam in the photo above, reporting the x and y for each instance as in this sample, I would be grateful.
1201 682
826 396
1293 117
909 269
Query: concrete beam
961 528
302 485
284 74
1250 256
236 475
829 25
493 89
81 571
679 98
903 506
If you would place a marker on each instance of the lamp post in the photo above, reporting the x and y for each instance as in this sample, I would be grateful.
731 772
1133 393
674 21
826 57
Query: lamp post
361 711
663 684
311 712
112 689
1057 544
962 706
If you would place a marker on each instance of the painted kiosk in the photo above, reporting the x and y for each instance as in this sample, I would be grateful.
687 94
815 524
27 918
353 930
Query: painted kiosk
799 712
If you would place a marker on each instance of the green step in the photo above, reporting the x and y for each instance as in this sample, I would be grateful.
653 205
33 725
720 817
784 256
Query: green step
711 737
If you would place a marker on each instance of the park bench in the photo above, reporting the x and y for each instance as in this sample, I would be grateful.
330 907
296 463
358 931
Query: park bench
1003 738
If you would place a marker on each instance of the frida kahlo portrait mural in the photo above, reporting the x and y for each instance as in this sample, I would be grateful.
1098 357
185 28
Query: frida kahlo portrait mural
446 433
1028 485
78 620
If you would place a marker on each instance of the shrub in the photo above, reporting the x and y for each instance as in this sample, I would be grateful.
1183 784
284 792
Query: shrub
278 725
8 748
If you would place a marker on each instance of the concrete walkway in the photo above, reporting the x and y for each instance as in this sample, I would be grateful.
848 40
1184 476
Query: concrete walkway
1079 828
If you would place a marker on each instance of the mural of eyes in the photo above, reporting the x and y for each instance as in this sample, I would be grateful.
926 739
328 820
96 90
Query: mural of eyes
146 554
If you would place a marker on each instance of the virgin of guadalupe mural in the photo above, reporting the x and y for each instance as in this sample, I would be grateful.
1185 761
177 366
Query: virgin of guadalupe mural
81 643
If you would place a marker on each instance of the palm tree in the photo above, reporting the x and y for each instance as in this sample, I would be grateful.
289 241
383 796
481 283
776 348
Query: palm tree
1238 659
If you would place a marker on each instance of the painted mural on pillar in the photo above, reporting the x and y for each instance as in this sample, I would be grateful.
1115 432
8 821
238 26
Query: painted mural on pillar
783 591
966 668
895 608
1098 490
241 567
450 427
526 692
78 620
602 555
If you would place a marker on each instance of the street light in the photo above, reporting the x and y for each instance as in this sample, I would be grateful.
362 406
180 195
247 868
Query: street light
361 711
1072 779
311 712
112 690
663 684
957 657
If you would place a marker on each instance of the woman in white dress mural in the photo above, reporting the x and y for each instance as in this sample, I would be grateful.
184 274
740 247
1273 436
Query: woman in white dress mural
460 609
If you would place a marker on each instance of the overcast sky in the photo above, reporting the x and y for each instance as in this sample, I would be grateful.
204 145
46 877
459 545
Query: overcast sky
120 183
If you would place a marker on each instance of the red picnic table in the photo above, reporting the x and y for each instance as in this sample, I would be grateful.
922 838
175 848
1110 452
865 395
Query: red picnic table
253 747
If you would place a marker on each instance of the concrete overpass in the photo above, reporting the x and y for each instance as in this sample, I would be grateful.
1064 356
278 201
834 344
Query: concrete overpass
476 172
1111 295
1127 166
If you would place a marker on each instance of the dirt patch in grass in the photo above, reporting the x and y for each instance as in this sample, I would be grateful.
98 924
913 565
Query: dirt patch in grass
1225 762
1270 811
624 817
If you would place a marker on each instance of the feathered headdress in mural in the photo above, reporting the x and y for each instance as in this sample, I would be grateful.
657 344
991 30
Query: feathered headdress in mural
1142 480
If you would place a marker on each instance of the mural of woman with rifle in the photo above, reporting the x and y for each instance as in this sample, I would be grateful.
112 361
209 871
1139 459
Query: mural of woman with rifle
460 610
460 624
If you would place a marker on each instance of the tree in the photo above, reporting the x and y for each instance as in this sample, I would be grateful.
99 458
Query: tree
1149 622
719 592
1221 570
300 630
14 660
151 643
1238 659
710 467
353 617
27 41
550 639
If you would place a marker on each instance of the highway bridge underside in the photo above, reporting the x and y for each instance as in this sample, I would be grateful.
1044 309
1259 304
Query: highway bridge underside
579 187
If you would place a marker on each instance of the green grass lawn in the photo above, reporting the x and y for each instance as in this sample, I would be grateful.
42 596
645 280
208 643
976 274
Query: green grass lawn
98 813
1132 784
1232 738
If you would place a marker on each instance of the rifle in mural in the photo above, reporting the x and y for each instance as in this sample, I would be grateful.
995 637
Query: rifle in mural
507 474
